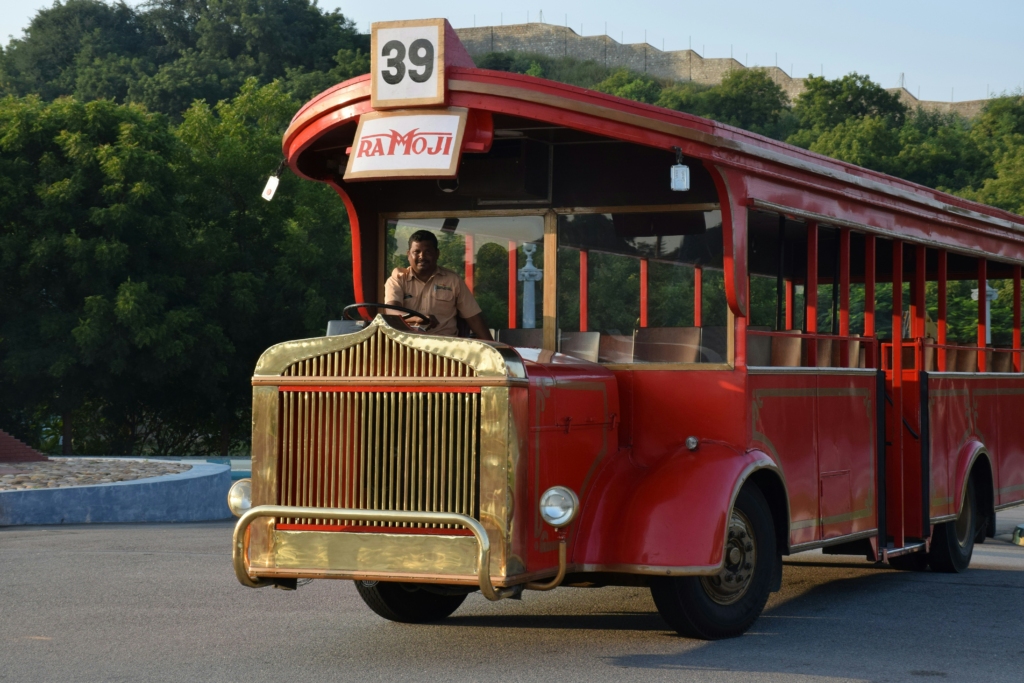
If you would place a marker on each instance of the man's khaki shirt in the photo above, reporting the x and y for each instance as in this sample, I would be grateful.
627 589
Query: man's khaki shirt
444 295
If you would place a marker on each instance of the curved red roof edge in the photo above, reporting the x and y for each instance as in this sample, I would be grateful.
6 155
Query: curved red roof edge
696 123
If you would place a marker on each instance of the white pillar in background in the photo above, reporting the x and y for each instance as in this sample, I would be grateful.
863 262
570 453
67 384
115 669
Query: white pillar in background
990 296
528 275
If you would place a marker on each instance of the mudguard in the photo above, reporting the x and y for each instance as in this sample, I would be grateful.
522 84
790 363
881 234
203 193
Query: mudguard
968 456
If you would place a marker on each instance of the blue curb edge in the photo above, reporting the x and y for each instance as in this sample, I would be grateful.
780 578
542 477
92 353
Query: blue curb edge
198 495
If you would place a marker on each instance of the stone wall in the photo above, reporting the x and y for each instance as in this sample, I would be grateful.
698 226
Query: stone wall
679 65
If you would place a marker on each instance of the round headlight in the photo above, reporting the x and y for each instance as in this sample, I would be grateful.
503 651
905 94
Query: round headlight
240 497
558 506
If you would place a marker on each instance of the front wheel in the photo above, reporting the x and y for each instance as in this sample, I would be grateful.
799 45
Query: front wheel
726 604
407 603
953 542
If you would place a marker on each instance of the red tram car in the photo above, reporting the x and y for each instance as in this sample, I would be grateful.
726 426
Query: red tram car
714 350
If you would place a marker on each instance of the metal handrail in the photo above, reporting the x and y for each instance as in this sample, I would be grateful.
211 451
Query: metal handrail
239 554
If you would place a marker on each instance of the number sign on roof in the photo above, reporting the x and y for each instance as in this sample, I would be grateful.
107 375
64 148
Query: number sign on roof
407 63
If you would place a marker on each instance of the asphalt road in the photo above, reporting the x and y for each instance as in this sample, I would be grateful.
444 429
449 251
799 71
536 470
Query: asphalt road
160 603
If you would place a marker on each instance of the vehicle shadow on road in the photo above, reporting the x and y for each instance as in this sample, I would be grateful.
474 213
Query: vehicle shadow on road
852 625
604 621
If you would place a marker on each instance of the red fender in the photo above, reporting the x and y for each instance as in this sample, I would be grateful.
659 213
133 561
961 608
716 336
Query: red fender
669 518
965 459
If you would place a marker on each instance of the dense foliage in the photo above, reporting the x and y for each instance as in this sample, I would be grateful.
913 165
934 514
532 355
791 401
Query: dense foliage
141 275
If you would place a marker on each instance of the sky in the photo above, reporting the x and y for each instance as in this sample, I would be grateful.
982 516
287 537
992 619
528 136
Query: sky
944 50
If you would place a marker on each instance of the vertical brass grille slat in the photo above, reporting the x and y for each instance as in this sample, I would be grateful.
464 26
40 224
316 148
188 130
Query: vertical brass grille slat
474 426
407 453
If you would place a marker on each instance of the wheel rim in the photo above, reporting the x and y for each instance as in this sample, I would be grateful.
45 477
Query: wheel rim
733 581
965 522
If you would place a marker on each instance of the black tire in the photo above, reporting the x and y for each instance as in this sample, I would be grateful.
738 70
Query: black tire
953 542
712 607
406 603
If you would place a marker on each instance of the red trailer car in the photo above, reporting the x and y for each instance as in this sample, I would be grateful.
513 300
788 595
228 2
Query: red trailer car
714 350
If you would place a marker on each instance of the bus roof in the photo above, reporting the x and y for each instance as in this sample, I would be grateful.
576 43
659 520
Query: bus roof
761 173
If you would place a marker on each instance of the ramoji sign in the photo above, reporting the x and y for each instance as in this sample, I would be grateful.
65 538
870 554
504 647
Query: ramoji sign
419 143
683 455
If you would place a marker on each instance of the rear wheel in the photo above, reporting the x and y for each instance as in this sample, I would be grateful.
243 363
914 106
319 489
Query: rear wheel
953 542
726 604
407 603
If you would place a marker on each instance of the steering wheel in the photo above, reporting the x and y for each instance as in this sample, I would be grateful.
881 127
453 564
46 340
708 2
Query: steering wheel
410 313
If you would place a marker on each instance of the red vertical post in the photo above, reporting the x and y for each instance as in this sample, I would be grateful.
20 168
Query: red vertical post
844 296
698 294
920 280
982 300
897 316
643 292
470 260
894 421
584 284
869 274
1016 318
918 303
789 304
513 281
941 323
811 295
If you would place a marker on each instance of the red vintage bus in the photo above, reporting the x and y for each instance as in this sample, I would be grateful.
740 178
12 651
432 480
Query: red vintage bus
714 350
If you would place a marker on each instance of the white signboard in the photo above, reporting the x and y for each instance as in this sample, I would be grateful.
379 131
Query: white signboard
422 143
407 63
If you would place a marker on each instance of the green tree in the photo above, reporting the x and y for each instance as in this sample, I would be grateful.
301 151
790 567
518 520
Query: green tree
143 275
88 221
869 141
167 53
687 96
747 98
825 104
73 41
999 133
1006 189
267 272
632 86
303 85
940 151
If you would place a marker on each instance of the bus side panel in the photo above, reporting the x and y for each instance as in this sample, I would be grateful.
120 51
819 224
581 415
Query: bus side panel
671 514
670 405
988 429
846 453
950 427
1010 465
783 424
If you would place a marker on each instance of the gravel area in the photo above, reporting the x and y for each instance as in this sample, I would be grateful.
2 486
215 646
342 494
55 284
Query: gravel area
65 472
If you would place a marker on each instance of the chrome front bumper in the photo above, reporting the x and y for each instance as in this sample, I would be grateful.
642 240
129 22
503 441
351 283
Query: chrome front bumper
483 543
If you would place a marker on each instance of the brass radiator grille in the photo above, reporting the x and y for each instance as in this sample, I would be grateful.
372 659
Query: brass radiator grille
379 356
379 450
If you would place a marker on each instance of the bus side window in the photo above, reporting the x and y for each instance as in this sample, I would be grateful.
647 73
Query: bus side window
650 284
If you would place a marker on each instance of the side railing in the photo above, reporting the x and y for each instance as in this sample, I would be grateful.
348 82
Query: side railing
928 356
801 349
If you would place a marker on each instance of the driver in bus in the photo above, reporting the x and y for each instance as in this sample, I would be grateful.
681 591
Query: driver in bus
433 290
